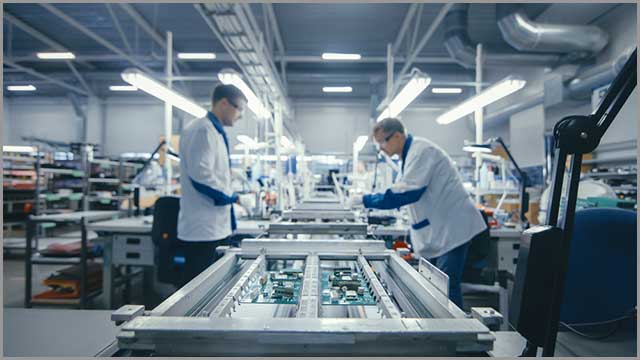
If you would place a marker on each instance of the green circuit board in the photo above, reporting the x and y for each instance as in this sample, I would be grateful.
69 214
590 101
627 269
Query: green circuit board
275 287
344 286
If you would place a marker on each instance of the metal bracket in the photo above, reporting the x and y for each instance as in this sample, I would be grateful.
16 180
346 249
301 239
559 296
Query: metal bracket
126 313
487 316
434 275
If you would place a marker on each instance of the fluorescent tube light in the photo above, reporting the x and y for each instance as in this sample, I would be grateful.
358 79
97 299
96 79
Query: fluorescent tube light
339 56
21 88
477 148
18 149
123 88
358 145
505 87
196 56
446 90
411 90
230 77
56 55
334 89
152 87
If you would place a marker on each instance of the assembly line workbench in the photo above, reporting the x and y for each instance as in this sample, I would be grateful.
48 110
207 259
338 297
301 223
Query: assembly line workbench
35 332
133 246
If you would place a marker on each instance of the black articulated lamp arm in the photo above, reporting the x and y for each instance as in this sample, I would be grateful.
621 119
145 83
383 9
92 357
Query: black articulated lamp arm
544 250
146 163
524 182
522 174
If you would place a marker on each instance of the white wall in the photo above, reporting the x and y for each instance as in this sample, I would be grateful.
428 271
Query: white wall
451 137
132 127
52 119
527 136
331 127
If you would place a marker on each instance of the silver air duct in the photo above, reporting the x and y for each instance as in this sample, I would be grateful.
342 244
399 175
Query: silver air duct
526 35
598 75
583 83
462 50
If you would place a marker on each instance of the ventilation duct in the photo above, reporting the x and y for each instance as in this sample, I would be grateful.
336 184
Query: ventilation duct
583 83
598 75
526 35
463 51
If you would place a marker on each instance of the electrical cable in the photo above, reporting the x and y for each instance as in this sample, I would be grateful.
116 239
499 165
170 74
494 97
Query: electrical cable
616 322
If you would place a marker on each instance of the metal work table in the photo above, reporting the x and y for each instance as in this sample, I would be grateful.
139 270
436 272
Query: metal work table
506 233
395 230
134 230
37 332
421 320
92 215
139 228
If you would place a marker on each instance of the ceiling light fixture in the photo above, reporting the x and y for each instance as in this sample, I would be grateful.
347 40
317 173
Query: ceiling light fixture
419 81
340 56
337 89
230 77
55 55
196 56
21 88
501 89
446 90
123 88
154 88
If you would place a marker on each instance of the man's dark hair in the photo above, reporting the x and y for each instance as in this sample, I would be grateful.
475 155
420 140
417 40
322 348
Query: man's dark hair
228 92
389 126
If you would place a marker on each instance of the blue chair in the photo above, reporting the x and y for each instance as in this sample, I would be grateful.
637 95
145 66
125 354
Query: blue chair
601 277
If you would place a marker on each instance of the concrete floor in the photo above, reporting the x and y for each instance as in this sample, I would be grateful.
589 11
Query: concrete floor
13 281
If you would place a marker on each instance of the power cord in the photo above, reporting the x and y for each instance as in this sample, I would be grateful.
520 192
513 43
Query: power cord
616 326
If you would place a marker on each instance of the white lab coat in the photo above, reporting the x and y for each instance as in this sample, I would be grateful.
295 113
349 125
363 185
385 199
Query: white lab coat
205 177
442 214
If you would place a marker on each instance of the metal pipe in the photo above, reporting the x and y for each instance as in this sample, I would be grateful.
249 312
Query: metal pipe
526 35
462 50
479 121
168 116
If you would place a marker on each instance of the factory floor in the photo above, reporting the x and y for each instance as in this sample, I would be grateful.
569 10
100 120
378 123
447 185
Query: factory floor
621 343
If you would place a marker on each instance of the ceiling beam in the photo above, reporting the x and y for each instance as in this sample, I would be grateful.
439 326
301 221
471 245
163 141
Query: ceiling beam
405 25
45 77
144 25
279 43
116 22
99 39
425 38
150 30
39 35
80 78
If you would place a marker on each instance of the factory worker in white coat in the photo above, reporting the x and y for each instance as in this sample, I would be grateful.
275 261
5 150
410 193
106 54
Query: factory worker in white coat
206 206
444 220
